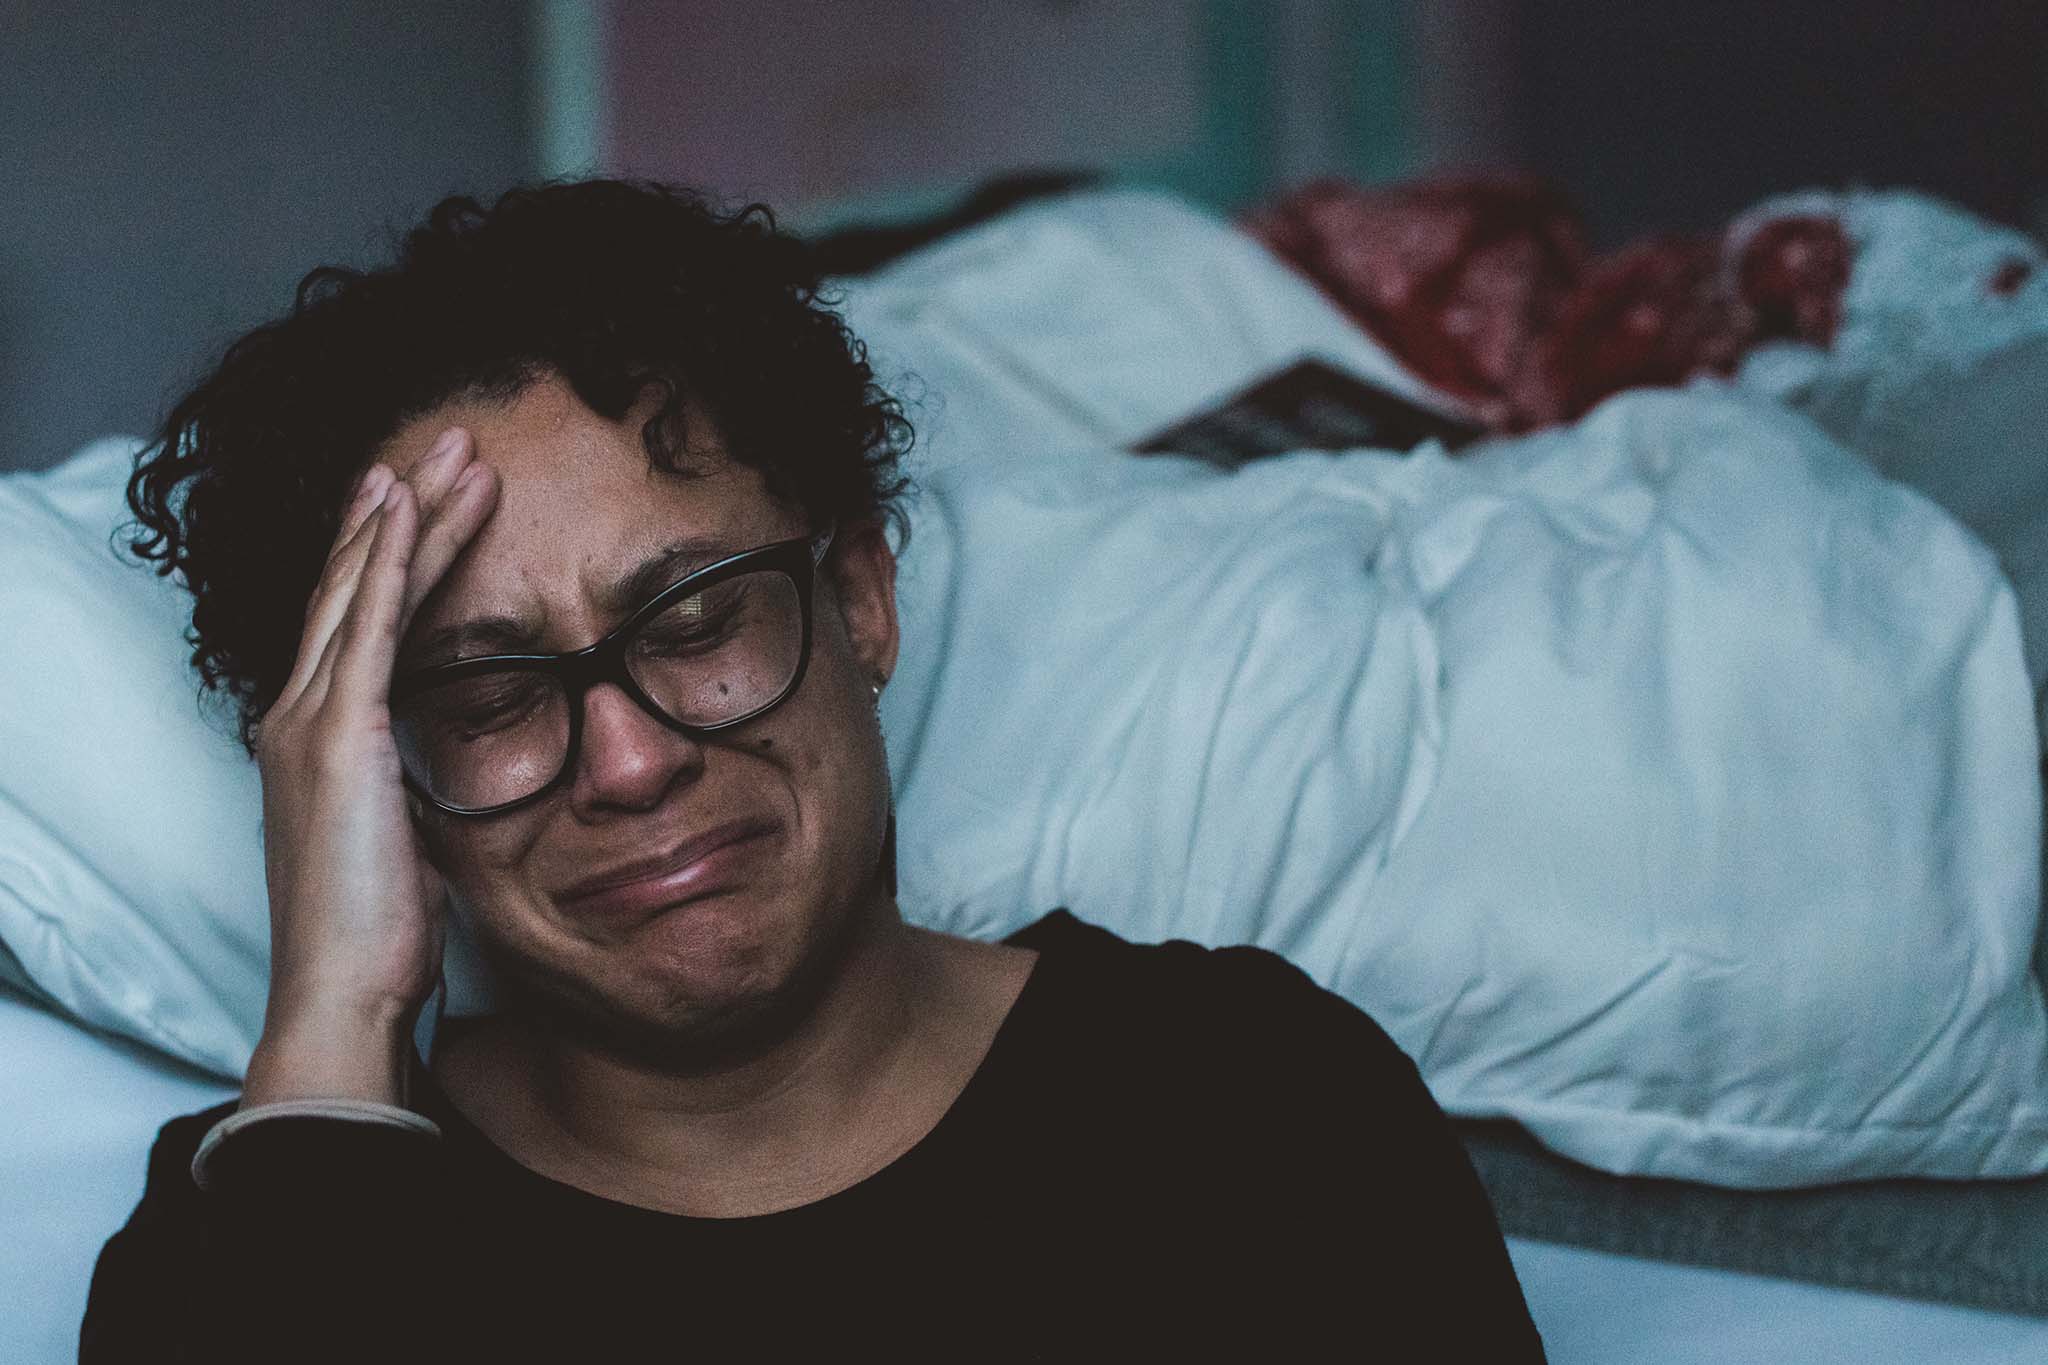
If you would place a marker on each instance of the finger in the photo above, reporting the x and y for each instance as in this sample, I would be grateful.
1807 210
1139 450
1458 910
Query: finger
358 660
430 475
320 673
331 597
369 492
435 472
328 604
447 532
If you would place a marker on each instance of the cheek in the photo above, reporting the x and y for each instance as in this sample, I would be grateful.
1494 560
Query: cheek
479 859
489 868
828 757
848 768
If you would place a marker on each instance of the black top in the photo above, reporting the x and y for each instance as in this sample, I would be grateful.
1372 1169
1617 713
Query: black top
1169 1151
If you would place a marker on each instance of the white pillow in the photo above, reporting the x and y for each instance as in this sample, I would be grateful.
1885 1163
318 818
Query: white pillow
1665 784
131 864
1093 320
1936 376
82 1111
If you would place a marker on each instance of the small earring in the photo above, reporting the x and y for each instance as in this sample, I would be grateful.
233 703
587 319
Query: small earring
876 688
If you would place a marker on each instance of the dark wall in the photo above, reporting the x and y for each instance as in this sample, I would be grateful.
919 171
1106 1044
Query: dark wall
167 172
1677 113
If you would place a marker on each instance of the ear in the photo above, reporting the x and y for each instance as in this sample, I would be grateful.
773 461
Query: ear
863 574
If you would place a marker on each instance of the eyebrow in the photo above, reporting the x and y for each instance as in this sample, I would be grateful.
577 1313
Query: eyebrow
670 564
485 635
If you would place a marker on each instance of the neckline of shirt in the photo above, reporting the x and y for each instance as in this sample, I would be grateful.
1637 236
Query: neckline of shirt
960 1116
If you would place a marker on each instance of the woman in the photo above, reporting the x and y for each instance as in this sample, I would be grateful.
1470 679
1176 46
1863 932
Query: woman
548 567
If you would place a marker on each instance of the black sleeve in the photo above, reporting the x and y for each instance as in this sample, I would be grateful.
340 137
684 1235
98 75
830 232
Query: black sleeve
1376 1228
310 1243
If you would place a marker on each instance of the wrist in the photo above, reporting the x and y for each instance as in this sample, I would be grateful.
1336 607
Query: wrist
343 1050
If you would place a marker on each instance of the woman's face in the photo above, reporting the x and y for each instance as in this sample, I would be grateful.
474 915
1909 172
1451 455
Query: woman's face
754 927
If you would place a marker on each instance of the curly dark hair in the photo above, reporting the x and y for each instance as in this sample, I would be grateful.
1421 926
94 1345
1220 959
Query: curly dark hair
612 285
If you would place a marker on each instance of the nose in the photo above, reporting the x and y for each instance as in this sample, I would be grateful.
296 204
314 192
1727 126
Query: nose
627 759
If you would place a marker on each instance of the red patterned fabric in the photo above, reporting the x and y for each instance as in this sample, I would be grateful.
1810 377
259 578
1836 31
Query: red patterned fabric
1484 288
1456 278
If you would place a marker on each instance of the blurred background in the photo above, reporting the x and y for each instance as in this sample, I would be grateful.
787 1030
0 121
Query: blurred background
168 172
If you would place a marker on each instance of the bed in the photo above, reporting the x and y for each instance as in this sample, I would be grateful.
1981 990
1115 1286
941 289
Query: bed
1649 1219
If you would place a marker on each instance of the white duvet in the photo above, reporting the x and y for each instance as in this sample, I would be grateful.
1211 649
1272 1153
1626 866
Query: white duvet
1665 783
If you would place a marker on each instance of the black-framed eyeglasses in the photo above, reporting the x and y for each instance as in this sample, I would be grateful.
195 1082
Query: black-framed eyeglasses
711 651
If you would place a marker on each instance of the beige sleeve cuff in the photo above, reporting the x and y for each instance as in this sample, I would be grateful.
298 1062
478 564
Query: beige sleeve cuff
354 1111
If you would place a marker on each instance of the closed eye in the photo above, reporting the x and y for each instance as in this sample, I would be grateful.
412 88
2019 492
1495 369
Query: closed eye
486 705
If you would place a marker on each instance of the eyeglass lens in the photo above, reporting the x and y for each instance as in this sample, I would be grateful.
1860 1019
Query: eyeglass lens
710 658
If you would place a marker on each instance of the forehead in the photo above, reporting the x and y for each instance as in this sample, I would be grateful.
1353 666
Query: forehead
580 507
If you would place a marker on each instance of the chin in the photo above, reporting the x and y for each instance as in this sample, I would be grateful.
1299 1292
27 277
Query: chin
705 985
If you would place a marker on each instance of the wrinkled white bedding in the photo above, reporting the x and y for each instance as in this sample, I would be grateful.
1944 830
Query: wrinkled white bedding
1092 321
1664 783
1938 374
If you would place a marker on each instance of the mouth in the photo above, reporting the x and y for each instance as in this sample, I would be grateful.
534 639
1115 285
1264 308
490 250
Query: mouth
700 866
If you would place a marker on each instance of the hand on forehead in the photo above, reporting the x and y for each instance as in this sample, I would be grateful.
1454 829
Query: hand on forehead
585 523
